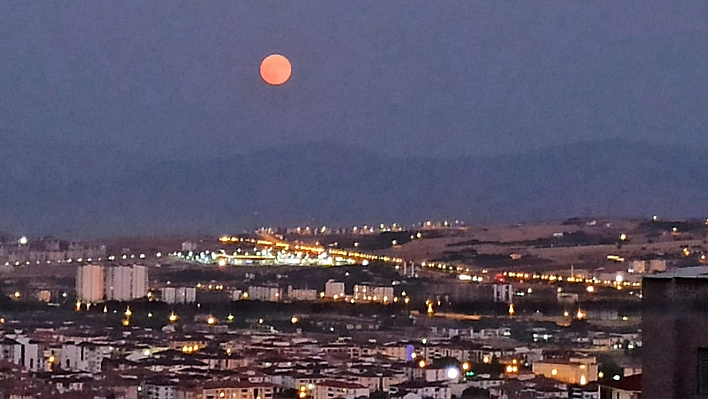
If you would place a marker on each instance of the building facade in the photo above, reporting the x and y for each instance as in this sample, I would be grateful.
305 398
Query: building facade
125 283
334 289
90 283
372 293
675 343
265 293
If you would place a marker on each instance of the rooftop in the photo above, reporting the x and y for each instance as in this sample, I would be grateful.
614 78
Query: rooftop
631 383
684 272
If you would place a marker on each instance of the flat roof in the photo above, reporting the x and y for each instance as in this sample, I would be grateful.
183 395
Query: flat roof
684 272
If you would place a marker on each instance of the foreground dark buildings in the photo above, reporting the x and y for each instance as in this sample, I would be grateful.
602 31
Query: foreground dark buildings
675 334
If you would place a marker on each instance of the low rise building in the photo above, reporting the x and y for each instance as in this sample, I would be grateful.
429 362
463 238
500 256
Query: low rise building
265 293
579 371
373 293
334 289
331 389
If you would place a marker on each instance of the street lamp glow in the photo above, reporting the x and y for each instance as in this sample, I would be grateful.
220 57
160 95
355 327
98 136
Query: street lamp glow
452 373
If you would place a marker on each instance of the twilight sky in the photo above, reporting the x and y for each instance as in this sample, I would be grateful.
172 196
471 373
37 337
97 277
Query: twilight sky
91 83
404 77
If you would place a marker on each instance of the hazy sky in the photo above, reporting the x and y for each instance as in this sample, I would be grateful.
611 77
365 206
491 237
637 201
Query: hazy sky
119 117
177 78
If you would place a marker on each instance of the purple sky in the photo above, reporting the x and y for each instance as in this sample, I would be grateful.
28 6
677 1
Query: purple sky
97 96
401 77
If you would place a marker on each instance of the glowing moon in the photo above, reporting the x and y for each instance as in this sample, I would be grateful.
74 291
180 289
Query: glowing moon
275 69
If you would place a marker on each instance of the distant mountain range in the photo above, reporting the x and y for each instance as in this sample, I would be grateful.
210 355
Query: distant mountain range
320 183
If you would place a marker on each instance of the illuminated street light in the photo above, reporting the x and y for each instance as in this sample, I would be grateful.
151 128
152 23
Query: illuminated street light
580 315
452 373
211 320
173 317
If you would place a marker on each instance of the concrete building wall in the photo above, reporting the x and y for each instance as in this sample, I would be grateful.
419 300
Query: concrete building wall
139 282
264 293
674 325
571 373
334 288
118 283
373 293
90 283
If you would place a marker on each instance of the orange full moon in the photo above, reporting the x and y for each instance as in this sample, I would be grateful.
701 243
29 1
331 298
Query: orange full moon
275 69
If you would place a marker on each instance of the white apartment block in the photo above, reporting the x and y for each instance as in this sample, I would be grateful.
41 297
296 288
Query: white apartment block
372 293
118 283
125 283
303 294
22 351
240 390
334 289
139 285
89 283
159 389
331 389
179 295
84 356
265 293
503 293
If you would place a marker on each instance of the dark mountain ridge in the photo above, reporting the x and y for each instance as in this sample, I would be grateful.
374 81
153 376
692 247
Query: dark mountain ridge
321 183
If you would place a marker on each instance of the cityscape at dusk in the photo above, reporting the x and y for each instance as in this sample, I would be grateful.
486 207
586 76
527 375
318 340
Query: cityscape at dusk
352 200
